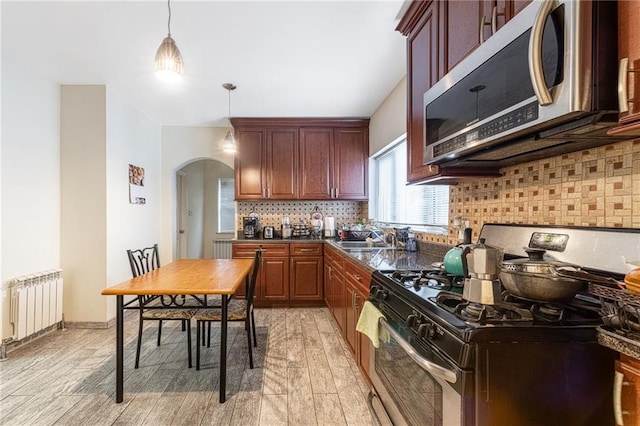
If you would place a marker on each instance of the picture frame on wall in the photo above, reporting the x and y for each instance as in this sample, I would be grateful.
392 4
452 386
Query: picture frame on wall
136 185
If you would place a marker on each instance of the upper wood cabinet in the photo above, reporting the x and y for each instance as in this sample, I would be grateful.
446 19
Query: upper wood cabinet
249 167
306 159
265 164
629 55
420 25
334 163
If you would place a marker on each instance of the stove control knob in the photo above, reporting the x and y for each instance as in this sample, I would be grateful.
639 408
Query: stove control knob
382 294
411 320
426 331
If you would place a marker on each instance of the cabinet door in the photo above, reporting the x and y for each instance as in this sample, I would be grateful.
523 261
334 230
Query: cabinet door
462 31
351 318
339 299
274 280
306 278
282 164
422 73
364 344
350 164
315 163
629 401
250 179
629 47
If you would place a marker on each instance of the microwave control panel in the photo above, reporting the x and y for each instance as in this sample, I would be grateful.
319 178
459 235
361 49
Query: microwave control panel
508 121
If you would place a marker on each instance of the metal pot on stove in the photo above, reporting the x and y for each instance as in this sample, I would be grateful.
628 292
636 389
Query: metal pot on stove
536 278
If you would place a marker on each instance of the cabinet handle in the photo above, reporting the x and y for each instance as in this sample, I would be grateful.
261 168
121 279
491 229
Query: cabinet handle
623 85
357 277
268 192
494 19
306 250
617 397
535 55
337 192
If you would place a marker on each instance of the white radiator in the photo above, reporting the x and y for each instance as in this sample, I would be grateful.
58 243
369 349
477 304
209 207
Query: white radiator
36 302
222 249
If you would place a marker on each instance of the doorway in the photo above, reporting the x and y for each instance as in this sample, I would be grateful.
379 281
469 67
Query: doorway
200 206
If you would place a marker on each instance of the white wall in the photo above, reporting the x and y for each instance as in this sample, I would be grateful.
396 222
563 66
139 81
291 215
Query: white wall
389 121
101 135
181 146
30 191
132 138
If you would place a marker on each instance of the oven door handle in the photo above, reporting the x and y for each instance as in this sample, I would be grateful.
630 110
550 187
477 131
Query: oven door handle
430 367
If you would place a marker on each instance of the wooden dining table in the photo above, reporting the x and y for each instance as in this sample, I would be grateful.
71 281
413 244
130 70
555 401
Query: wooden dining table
221 277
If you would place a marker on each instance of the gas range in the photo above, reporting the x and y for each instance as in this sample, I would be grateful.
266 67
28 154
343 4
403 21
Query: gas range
525 351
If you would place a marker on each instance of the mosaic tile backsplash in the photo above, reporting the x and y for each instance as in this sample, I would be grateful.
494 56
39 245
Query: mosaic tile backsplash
595 187
271 212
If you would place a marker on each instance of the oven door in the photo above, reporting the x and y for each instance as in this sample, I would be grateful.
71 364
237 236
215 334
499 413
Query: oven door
414 384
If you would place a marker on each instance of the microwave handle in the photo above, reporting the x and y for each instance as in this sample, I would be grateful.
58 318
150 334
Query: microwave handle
535 54
430 367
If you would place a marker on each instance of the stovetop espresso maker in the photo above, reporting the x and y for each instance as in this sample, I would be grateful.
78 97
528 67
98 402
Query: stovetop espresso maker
483 283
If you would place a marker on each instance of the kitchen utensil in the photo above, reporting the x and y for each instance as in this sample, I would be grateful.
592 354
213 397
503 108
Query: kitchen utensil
250 226
535 263
268 232
454 263
540 287
483 267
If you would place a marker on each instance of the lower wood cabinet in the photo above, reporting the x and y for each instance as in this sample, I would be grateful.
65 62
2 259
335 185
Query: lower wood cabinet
290 273
627 392
306 272
346 290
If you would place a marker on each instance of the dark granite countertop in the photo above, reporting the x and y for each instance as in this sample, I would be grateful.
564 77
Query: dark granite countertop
382 259
386 259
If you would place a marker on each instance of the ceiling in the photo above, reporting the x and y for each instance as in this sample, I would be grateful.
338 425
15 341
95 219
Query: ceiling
287 59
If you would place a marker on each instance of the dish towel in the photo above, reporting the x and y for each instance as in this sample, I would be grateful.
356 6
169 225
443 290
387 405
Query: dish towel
368 324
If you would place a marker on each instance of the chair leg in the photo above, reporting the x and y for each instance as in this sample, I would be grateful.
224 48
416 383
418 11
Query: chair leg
184 324
199 326
159 331
248 327
253 327
208 333
139 342
203 334
188 340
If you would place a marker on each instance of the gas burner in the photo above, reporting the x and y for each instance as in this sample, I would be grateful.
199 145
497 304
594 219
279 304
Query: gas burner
403 276
492 314
480 313
574 311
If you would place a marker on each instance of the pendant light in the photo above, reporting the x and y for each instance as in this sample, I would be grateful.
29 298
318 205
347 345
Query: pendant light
169 66
229 144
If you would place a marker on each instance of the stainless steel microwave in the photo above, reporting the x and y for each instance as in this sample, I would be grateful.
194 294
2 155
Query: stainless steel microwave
544 84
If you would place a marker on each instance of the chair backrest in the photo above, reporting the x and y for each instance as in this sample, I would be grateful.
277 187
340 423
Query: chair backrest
254 276
143 260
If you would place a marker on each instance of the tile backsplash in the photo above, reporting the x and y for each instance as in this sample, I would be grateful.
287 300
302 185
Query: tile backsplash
271 212
595 187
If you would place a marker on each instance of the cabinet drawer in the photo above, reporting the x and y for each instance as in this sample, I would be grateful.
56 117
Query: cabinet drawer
268 250
358 276
298 249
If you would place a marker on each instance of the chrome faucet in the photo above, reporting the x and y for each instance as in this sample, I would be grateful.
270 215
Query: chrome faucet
392 239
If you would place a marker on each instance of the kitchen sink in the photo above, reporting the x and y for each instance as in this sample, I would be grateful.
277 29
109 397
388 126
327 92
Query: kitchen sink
364 245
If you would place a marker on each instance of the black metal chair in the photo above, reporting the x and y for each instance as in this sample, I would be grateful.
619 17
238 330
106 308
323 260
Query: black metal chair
155 307
238 310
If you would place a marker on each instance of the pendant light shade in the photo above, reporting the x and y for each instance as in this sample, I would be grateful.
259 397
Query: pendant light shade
229 144
169 65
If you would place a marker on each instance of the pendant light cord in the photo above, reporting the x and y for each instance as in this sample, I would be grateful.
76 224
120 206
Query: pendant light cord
229 113
169 20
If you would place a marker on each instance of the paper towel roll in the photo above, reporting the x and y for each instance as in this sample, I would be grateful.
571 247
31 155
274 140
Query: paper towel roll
329 223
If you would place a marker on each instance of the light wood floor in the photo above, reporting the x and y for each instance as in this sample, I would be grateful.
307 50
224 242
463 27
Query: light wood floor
303 375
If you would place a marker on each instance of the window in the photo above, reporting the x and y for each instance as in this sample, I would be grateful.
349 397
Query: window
395 202
226 206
